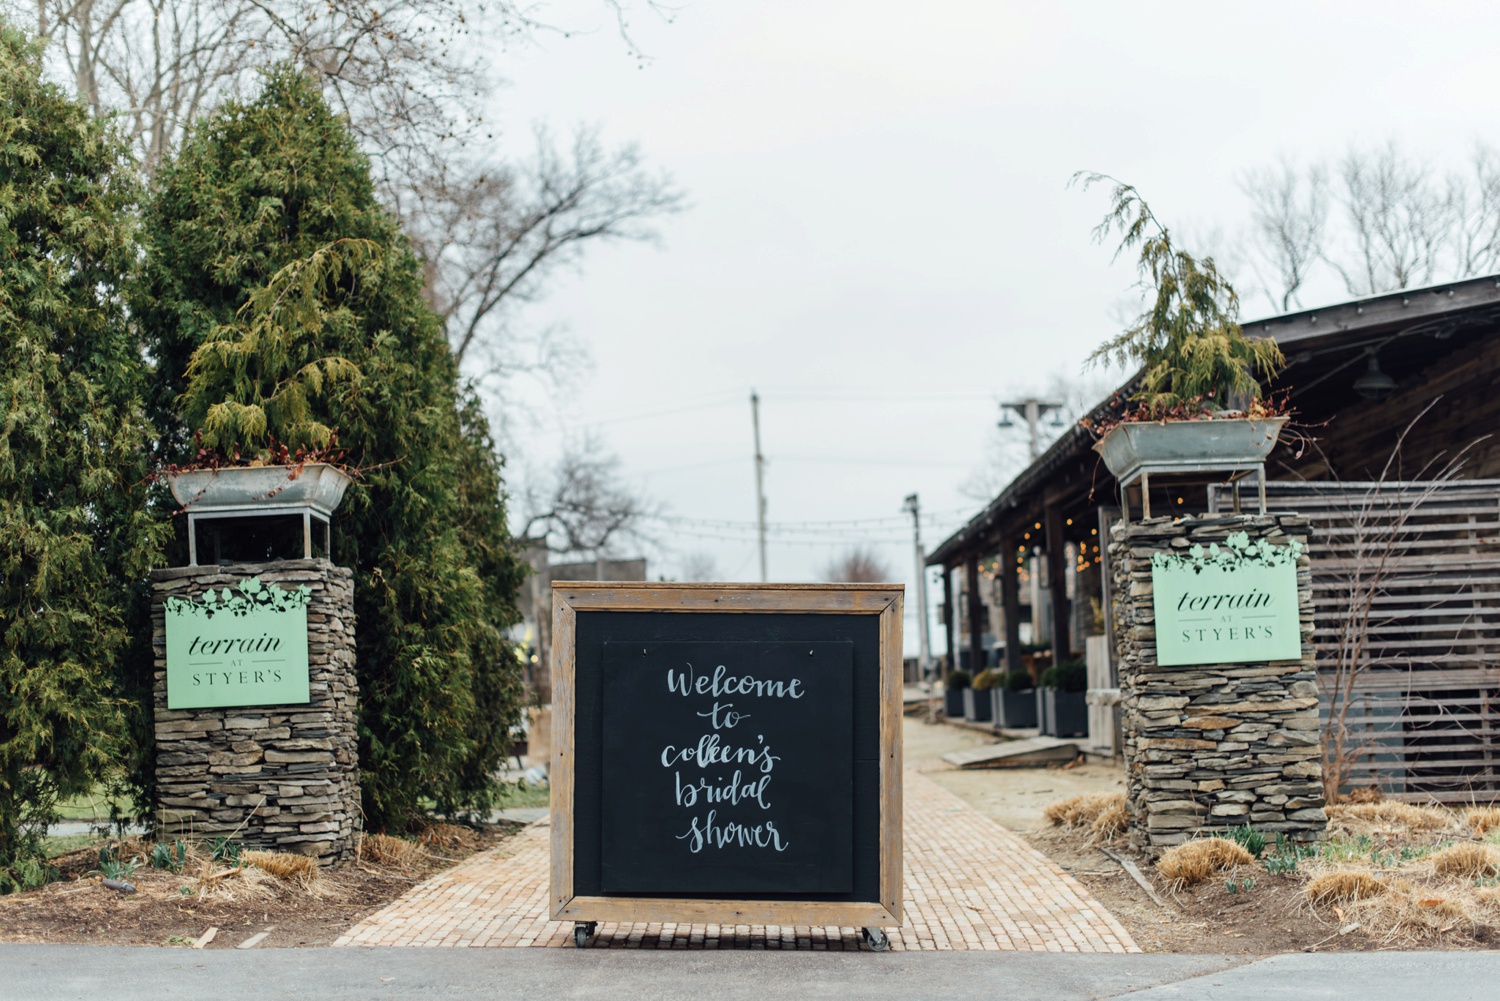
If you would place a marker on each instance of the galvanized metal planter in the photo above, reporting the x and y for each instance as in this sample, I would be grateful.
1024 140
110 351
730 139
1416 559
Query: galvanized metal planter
311 491
1138 450
1062 714
260 488
1015 710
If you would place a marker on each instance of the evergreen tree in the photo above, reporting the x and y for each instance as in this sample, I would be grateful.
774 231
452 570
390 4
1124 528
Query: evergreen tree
282 300
75 541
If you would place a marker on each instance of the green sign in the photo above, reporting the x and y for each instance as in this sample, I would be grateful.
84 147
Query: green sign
246 647
1229 604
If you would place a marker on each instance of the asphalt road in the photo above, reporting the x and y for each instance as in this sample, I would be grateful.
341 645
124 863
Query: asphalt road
56 973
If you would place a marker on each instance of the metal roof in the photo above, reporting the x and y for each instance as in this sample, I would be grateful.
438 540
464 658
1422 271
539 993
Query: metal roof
1302 336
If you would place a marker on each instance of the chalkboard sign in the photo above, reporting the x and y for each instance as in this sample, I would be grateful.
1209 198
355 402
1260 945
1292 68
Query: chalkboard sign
727 753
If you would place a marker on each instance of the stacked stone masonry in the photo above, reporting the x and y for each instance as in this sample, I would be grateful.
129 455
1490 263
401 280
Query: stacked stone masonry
277 778
1209 747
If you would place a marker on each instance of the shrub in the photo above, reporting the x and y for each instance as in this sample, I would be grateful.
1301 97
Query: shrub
958 679
1069 676
1196 861
282 299
75 540
1019 681
986 679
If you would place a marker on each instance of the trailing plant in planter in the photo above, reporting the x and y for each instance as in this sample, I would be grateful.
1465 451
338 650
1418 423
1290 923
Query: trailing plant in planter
1196 362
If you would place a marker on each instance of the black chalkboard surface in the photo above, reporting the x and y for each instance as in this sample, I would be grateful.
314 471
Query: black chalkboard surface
726 753
728 768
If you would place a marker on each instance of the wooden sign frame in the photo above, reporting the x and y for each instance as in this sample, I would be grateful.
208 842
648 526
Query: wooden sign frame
881 600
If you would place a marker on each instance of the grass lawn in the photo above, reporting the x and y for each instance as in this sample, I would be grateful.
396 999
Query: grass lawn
522 794
92 805
67 843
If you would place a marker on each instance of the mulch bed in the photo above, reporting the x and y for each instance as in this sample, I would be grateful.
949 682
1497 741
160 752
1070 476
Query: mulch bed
175 909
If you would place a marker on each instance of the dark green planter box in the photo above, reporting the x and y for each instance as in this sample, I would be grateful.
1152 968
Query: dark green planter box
1015 710
977 706
953 702
1062 714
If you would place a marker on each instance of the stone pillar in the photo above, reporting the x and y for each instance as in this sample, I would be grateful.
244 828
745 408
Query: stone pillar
276 778
1209 747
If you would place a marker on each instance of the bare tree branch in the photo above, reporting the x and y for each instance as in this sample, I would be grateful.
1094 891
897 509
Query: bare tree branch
858 566
1289 213
493 234
584 507
1380 220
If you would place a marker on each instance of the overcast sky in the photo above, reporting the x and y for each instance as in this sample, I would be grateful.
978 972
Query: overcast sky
882 240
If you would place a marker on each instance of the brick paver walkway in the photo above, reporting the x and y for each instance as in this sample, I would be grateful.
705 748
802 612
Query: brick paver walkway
970 884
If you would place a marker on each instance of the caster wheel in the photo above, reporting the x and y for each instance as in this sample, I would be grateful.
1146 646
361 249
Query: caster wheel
583 931
876 939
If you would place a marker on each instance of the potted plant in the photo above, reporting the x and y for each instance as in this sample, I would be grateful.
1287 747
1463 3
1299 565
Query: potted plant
953 693
1062 710
274 477
260 394
977 704
1198 398
1015 701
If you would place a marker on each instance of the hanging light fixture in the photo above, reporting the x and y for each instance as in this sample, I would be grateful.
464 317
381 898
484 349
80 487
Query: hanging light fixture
1374 384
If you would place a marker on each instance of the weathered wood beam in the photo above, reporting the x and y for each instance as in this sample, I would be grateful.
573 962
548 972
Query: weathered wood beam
1057 585
1010 599
976 612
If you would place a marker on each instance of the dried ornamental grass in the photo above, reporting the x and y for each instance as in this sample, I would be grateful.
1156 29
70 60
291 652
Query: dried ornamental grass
1482 819
1467 861
1196 861
1111 820
301 869
1414 818
383 849
1413 913
236 884
451 837
1343 886
1084 810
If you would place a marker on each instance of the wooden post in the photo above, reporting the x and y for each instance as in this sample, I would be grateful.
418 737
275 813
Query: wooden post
1057 584
976 613
1010 599
950 613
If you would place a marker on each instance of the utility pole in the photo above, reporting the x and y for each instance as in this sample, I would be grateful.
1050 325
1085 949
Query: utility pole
924 655
760 484
1031 410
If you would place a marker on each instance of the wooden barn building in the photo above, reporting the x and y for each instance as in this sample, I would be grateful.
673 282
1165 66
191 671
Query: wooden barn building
1395 455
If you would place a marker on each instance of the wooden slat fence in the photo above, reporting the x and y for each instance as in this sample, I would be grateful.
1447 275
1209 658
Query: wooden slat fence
1406 592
